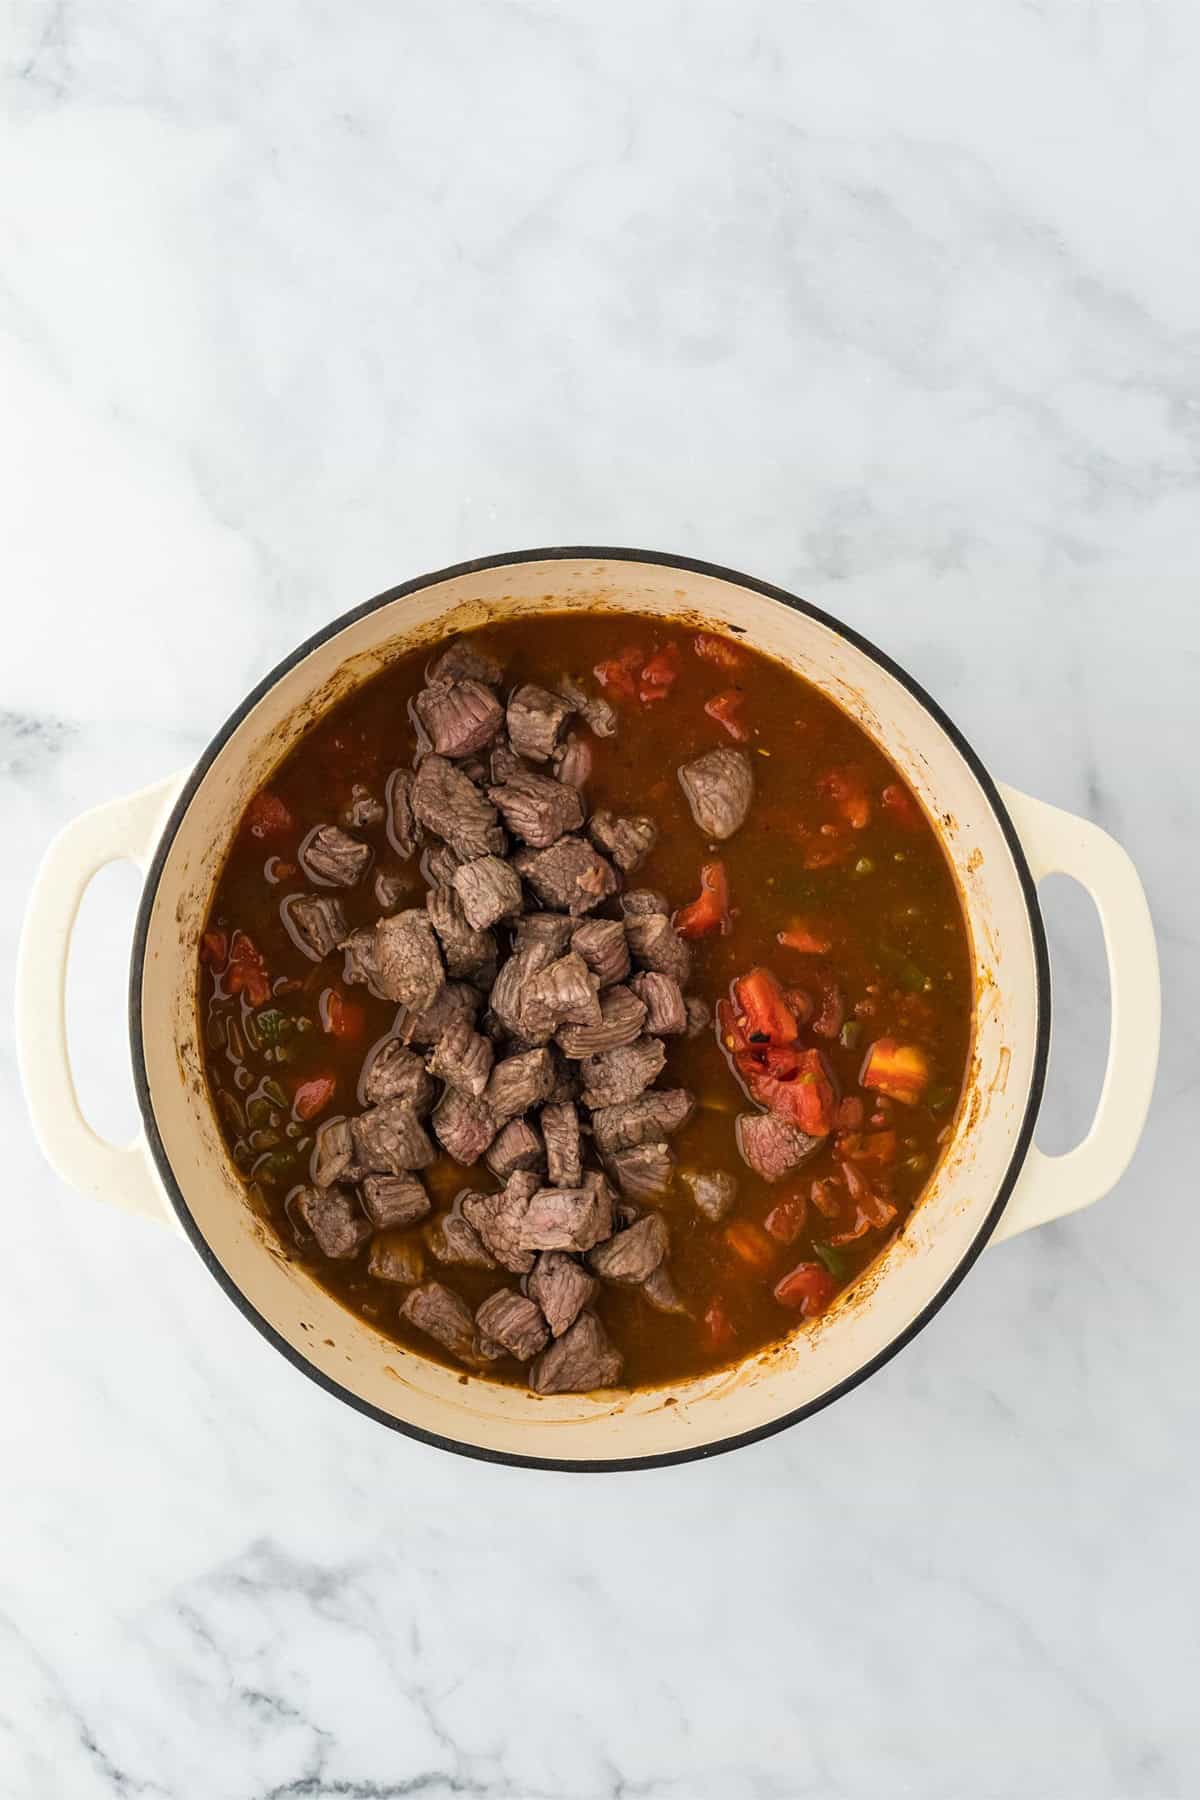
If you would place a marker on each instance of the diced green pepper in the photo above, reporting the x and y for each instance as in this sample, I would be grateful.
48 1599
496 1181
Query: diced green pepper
850 1035
833 1259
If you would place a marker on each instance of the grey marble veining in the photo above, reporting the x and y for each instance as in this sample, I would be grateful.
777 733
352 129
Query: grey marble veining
894 305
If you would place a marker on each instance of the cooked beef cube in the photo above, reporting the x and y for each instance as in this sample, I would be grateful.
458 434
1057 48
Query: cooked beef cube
510 1002
389 1138
498 1218
564 993
622 1016
520 1082
362 812
535 718
628 841
467 950
333 1152
604 948
452 1239
641 1171
549 931
622 1074
390 889
771 1146
513 1320
570 875
315 923
561 1288
440 864
660 1291
463 1057
464 1125
593 709
713 1191
449 804
359 963
536 808
332 1216
396 1259
402 829
332 858
408 962
655 944
651 1116
463 662
573 762
504 763
441 1314
516 1146
393 1201
489 890
578 1362
566 1218
666 1013
457 1000
640 901
393 1073
458 716
699 1014
560 1128
633 1254
566 1080
719 787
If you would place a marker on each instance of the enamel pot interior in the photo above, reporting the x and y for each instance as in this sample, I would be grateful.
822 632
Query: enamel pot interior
906 1283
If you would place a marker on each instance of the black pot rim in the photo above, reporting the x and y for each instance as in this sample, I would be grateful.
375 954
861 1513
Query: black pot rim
1024 1137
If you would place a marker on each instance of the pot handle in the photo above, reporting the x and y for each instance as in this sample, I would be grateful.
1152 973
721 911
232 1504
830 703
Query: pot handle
123 830
1057 842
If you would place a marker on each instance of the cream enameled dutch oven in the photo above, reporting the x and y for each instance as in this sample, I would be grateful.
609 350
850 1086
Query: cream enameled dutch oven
990 1183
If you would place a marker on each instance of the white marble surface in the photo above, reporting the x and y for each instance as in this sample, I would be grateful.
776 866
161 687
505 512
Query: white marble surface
895 305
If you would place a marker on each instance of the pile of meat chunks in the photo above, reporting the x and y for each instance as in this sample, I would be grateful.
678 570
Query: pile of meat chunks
530 1034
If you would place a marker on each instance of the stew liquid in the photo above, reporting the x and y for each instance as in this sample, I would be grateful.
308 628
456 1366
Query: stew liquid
834 894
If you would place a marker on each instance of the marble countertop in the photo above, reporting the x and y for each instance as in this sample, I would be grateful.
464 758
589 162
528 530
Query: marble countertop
893 305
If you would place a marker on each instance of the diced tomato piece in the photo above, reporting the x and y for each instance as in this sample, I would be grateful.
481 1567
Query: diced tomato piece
733 1035
807 936
658 675
716 1327
766 1015
785 1222
246 972
850 1114
313 1096
718 650
619 674
801 1003
805 1096
831 1014
214 948
726 709
899 1070
342 1018
809 1286
878 1147
826 1196
267 816
902 807
871 1211
710 913
751 1245
847 789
